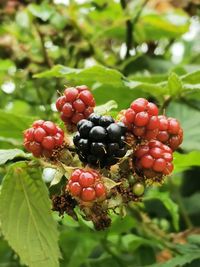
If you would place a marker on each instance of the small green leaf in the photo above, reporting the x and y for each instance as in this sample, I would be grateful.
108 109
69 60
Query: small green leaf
42 11
8 154
170 205
103 109
109 184
26 219
174 84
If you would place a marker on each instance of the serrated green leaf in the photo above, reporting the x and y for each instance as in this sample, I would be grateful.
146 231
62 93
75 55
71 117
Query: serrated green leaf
174 84
190 122
103 109
8 154
26 219
169 204
186 161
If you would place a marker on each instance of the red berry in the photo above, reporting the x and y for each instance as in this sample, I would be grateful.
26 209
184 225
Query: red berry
67 110
29 134
86 179
152 109
141 119
48 142
39 134
49 127
58 138
173 126
153 123
100 190
87 98
156 152
147 161
38 123
88 194
79 105
75 175
159 165
71 94
75 188
60 102
35 148
130 115
142 151
139 104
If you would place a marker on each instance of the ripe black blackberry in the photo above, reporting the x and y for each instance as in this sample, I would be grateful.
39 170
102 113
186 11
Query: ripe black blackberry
100 141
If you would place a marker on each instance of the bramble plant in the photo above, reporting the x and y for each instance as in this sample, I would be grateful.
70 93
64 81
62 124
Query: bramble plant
103 144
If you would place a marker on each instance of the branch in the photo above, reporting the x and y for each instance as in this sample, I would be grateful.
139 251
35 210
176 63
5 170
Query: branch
130 26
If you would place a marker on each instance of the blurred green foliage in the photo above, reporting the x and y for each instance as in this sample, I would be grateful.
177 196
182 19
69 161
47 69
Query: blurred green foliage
122 50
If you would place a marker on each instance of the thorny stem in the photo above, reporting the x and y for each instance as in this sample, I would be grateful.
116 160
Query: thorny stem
130 26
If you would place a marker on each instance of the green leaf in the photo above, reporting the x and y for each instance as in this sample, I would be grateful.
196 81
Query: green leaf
174 84
89 76
8 154
186 161
170 205
12 125
190 122
191 78
42 11
105 108
26 219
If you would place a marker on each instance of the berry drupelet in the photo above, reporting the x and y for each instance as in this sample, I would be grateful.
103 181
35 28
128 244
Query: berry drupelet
170 132
100 140
153 160
141 119
43 138
76 104
86 185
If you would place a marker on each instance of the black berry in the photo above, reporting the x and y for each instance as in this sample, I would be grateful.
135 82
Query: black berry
100 141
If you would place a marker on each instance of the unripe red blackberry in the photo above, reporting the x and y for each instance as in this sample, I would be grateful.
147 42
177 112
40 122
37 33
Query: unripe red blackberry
86 185
76 104
141 119
43 138
100 141
153 160
170 132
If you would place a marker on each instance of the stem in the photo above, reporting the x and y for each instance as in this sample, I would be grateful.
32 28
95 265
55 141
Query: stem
130 26
44 51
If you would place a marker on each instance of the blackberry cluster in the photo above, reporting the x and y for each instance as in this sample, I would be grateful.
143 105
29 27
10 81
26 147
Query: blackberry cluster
43 138
100 141
76 104
153 160
86 185
170 132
